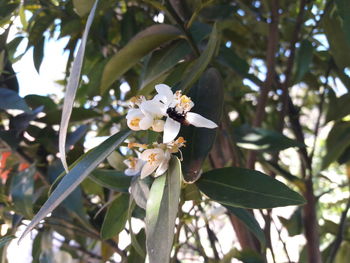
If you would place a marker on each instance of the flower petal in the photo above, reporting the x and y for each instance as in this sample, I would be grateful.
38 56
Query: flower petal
153 107
147 169
171 130
166 95
164 165
199 121
131 172
133 113
146 122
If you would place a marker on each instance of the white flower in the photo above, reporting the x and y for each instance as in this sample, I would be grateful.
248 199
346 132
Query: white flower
142 119
134 166
156 158
176 108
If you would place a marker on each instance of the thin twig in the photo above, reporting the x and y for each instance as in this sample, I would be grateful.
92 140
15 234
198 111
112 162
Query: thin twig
280 238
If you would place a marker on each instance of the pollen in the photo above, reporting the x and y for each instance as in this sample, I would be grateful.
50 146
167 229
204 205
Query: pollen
136 145
184 99
152 158
132 162
180 140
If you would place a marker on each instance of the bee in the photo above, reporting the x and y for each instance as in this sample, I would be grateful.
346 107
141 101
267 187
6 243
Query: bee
179 117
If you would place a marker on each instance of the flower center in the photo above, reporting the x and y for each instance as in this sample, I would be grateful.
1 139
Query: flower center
152 158
135 122
132 163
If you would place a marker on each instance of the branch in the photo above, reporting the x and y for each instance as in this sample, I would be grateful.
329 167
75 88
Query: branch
271 73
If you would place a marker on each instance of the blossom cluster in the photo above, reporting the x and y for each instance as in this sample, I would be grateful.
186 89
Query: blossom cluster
163 113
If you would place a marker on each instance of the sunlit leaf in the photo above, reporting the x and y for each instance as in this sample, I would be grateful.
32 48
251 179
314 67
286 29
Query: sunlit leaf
72 86
161 213
142 44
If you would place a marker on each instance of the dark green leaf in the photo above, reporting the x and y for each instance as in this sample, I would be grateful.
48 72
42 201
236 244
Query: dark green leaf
303 60
140 192
337 141
343 9
142 44
294 224
249 220
70 181
228 57
83 7
35 101
10 99
338 107
202 62
38 53
208 99
116 217
22 190
261 139
240 187
111 179
161 213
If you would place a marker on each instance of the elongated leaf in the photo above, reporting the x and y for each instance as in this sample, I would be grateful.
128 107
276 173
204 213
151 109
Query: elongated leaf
338 107
142 44
77 114
261 139
161 213
337 141
111 179
71 180
304 58
203 61
208 98
140 192
343 8
250 221
72 86
82 7
164 60
9 99
38 53
116 217
240 187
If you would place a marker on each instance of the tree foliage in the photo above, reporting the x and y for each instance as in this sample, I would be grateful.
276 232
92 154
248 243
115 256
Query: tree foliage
274 75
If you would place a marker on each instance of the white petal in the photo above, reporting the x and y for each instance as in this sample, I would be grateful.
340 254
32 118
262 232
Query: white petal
153 107
199 121
171 130
147 169
166 93
133 113
158 125
131 172
159 152
163 167
146 122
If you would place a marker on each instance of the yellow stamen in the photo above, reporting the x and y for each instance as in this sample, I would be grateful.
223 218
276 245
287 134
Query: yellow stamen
180 140
136 145
132 163
152 158
135 122
185 99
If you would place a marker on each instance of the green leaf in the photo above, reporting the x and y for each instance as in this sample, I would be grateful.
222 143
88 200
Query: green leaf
252 138
38 53
294 224
337 141
83 7
72 86
4 240
140 192
240 187
343 8
22 190
228 57
338 107
163 60
249 220
10 100
111 179
208 98
161 213
116 217
304 59
35 101
339 46
202 62
142 44
70 181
